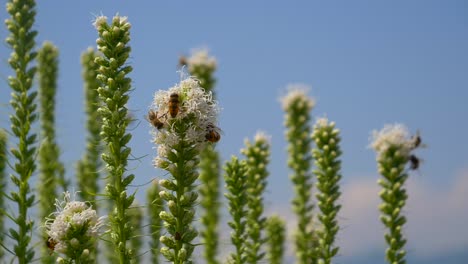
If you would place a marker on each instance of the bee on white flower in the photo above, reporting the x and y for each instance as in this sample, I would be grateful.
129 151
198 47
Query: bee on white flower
74 227
196 113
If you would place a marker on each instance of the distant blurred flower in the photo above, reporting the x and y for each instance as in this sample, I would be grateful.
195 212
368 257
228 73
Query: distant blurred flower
200 58
297 94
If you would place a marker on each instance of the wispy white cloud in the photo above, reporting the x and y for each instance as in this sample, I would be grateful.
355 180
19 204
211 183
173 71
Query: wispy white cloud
436 217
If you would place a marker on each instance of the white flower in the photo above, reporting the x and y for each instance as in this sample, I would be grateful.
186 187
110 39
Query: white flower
100 20
297 93
261 136
392 135
71 216
199 58
195 111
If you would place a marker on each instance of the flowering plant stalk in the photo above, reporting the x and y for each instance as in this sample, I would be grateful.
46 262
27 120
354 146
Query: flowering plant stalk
236 183
52 171
184 115
91 162
202 67
21 40
257 156
73 230
136 218
394 147
113 91
298 105
3 185
326 154
155 206
276 233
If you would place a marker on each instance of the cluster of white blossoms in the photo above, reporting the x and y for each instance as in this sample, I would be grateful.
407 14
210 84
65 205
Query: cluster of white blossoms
297 94
190 118
65 228
199 58
392 135
323 122
99 21
261 136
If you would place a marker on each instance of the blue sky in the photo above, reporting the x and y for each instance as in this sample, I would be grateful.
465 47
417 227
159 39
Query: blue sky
368 63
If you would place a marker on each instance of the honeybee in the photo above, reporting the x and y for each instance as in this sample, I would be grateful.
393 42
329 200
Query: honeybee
182 61
414 162
212 133
416 140
50 243
154 120
174 105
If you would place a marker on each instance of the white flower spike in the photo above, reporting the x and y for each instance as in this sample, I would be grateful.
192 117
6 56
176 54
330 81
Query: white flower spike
65 227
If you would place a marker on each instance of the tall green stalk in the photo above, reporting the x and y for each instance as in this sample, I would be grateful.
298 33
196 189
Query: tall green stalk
155 206
21 40
90 165
298 105
136 218
276 236
257 154
202 67
113 91
51 170
236 183
3 186
186 113
326 155
394 149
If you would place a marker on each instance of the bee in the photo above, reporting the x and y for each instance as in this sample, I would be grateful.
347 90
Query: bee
154 120
416 140
51 243
177 236
213 133
173 104
414 162
182 61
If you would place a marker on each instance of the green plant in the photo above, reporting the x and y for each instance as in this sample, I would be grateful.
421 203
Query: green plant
155 206
52 171
276 236
236 183
186 112
21 41
73 231
298 105
394 147
3 185
113 91
202 67
89 166
326 155
257 155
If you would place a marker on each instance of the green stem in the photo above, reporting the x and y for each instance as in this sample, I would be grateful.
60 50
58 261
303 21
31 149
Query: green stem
113 91
328 165
394 151
297 105
276 233
51 169
236 183
202 67
89 166
3 185
21 40
257 159
155 206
